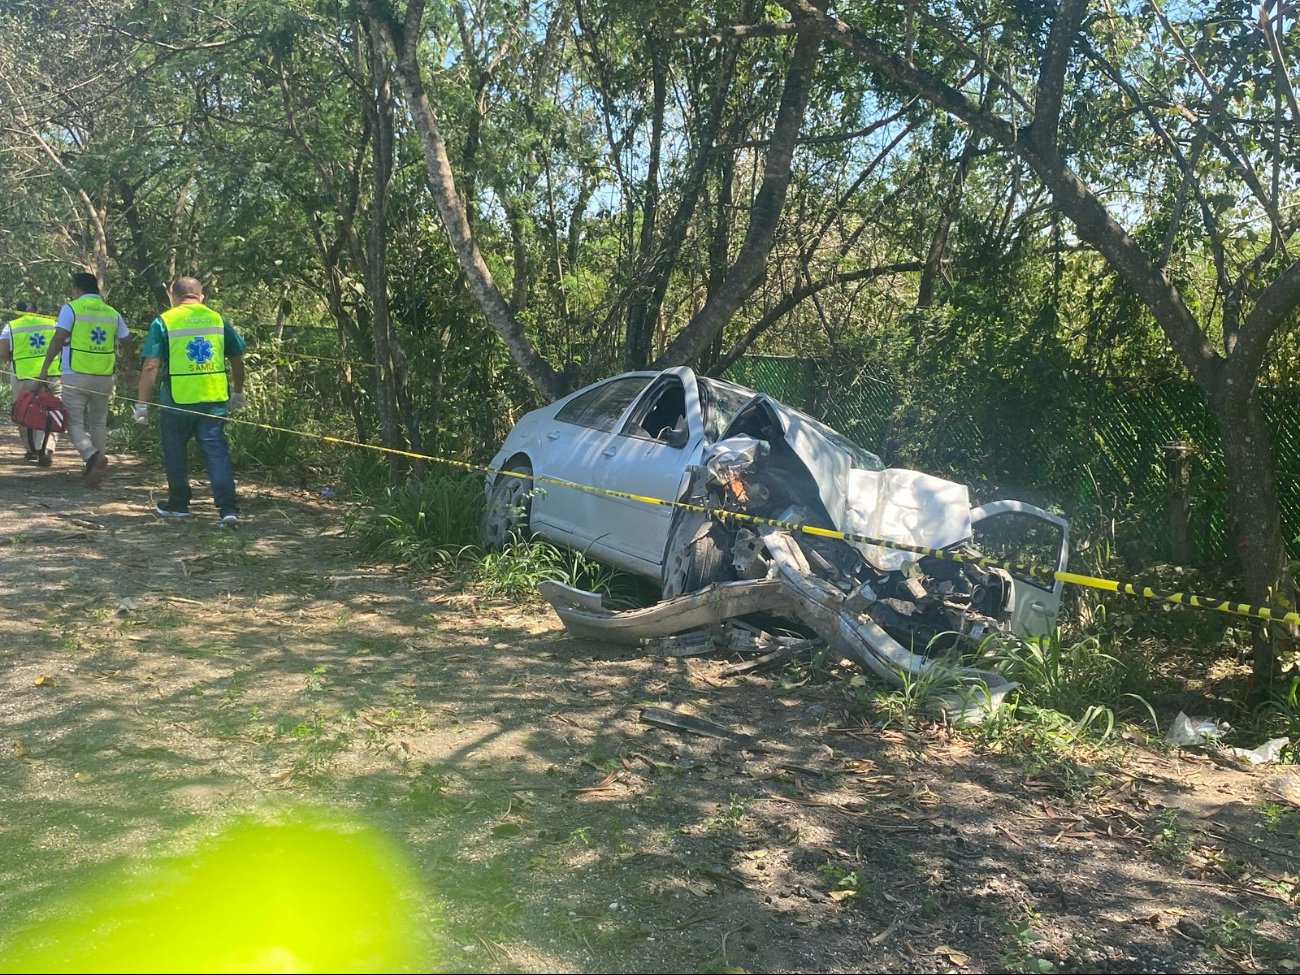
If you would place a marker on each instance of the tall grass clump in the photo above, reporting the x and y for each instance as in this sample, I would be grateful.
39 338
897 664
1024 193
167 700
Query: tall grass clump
1072 686
427 523
515 571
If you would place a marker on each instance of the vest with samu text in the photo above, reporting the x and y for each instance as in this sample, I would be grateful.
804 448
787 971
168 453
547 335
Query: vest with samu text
29 340
94 328
196 354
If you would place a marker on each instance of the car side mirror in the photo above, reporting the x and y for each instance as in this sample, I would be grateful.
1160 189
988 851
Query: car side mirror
677 437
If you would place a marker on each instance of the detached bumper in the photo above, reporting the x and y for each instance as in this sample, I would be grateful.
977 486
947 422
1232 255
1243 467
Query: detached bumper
967 695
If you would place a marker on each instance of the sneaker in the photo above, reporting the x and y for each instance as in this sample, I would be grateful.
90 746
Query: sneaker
229 520
30 455
95 468
162 512
46 458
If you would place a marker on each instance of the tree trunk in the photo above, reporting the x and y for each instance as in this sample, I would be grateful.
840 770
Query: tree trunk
750 267
1255 522
402 42
640 313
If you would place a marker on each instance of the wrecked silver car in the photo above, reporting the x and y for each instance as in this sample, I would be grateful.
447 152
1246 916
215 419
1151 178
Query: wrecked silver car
678 437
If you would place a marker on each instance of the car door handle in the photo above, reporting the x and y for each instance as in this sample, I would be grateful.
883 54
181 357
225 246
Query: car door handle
609 452
1038 606
553 435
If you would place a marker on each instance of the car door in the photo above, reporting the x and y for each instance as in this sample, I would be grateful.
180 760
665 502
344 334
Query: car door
647 456
1024 534
567 446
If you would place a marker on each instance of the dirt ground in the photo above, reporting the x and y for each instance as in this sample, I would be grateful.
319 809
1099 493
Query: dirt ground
160 677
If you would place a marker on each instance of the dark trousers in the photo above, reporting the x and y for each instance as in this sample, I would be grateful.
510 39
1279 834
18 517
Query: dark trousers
210 434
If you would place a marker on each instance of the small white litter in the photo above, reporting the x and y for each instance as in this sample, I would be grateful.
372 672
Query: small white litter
1270 751
1193 731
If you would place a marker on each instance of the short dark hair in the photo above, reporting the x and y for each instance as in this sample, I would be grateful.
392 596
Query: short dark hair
85 282
24 306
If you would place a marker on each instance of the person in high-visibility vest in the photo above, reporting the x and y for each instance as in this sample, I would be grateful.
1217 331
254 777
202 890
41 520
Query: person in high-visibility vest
23 343
86 337
203 380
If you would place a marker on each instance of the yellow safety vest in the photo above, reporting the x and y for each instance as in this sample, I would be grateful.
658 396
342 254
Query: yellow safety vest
29 340
196 354
94 328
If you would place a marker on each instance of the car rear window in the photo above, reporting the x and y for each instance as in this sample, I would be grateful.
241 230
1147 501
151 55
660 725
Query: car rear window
601 407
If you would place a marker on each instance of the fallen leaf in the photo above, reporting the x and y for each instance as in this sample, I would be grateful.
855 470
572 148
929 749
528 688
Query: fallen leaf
20 748
44 681
81 777
755 854
842 895
952 954
507 829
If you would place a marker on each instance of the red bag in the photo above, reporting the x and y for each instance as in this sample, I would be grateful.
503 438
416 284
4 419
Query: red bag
40 410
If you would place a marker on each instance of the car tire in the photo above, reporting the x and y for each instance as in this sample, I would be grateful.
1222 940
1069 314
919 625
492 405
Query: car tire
508 508
696 558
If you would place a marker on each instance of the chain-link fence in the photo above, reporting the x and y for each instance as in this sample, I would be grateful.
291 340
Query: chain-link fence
1095 451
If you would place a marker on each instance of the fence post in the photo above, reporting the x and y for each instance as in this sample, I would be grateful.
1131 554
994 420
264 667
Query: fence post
1178 470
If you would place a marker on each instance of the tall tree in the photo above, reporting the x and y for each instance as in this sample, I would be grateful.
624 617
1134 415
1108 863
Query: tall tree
1204 106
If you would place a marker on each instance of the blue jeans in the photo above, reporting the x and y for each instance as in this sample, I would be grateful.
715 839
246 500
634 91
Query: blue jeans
210 434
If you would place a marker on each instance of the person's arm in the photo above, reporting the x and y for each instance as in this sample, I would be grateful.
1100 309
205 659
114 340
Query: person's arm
148 377
56 344
6 357
144 389
237 373
62 331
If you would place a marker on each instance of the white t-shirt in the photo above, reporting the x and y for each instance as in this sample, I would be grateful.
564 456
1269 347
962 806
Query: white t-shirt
66 317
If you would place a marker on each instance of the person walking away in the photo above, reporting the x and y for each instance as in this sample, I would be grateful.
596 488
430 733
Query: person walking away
202 360
85 338
23 343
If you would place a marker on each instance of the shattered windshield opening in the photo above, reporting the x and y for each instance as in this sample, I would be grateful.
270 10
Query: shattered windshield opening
721 402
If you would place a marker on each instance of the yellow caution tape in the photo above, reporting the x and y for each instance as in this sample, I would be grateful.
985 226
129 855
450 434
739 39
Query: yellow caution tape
1266 613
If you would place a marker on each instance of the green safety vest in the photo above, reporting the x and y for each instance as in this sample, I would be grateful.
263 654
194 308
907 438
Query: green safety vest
94 327
196 354
29 340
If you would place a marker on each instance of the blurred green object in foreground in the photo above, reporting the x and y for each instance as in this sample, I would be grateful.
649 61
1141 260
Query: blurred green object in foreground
308 893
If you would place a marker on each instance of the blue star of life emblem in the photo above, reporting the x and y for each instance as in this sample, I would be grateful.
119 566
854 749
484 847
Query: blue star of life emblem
98 335
36 340
198 350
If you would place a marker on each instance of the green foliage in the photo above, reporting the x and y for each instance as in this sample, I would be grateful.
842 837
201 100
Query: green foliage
1070 691
426 523
1172 842
1066 676
432 523
515 571
1022 955
916 698
1279 717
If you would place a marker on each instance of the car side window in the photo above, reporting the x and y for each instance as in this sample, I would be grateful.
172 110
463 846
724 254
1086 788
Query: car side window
601 407
663 411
